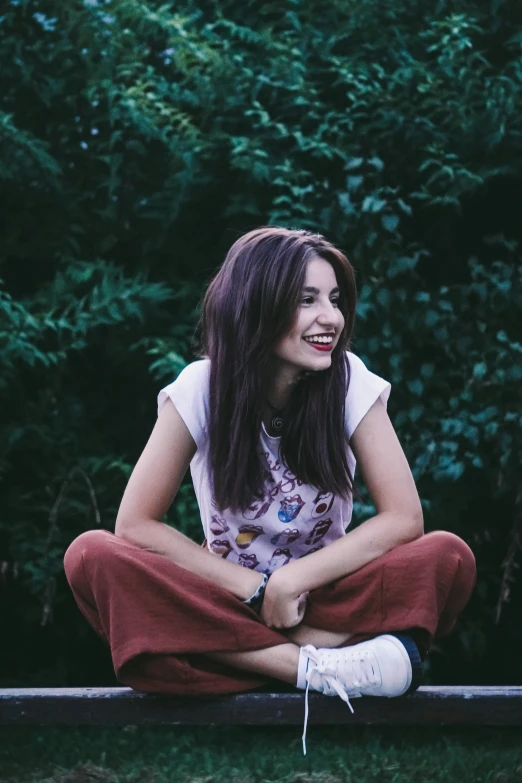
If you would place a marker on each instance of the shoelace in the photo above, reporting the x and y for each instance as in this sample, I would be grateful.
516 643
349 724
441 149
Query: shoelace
330 682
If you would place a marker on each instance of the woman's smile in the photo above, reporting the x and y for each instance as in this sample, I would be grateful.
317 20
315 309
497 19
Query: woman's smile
320 346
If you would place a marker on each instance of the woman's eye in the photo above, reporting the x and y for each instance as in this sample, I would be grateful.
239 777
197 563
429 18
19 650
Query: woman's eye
310 299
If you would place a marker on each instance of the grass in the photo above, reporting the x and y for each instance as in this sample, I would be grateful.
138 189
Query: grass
251 755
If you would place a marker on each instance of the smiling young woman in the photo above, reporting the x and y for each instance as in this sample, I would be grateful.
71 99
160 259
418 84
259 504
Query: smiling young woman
272 421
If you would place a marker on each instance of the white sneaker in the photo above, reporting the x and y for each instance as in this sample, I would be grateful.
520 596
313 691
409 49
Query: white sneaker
379 667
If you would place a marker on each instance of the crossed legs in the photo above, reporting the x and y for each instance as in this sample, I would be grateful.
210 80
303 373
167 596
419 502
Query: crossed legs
162 623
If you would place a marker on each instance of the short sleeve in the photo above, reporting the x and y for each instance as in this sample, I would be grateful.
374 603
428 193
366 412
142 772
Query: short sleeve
189 393
364 389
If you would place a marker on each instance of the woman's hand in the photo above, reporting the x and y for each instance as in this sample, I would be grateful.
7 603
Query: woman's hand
282 607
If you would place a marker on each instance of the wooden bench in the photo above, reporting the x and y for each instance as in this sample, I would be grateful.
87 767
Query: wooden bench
435 705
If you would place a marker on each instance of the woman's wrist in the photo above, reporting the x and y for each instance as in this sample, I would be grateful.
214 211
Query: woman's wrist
249 582
282 584
255 601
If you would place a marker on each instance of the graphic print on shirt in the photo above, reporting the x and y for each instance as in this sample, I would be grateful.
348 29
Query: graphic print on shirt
290 508
222 548
247 535
218 525
272 466
288 482
323 502
319 530
313 549
279 558
248 561
285 537
260 506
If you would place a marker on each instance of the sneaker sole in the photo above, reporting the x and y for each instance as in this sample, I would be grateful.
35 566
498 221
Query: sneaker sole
415 660
410 654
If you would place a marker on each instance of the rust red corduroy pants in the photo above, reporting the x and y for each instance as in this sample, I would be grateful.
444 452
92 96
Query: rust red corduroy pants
159 619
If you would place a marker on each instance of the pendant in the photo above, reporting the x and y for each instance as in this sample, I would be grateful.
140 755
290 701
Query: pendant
277 423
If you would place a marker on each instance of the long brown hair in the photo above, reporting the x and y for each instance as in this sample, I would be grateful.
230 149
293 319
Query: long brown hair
250 304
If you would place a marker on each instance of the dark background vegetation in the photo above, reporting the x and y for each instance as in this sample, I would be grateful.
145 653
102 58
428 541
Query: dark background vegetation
138 140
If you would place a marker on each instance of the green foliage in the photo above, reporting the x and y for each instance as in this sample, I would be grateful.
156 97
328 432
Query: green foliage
137 141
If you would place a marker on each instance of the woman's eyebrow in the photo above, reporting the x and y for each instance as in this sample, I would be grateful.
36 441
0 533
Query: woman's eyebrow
311 290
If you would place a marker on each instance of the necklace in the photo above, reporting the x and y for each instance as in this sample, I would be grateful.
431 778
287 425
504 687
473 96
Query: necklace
277 421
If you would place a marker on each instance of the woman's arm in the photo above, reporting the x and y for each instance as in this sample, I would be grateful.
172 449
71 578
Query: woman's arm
399 519
149 494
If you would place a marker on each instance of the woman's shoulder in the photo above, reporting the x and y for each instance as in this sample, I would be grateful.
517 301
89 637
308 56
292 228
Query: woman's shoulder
196 369
190 382
357 366
356 363
193 374
364 388
189 393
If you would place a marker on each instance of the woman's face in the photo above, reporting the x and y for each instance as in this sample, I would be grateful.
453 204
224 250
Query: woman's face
318 316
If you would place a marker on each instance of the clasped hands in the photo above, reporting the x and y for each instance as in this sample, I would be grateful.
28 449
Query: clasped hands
282 607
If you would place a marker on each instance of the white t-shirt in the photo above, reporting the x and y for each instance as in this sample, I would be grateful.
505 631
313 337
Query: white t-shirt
293 519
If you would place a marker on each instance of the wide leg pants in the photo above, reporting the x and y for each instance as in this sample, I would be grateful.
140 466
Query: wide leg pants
161 620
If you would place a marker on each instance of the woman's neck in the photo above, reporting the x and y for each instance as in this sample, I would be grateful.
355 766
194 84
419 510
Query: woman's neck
280 386
279 392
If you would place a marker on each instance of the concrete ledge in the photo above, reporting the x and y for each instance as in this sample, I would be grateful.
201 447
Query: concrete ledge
429 705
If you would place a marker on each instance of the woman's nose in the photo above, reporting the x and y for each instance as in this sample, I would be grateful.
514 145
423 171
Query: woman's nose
329 314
